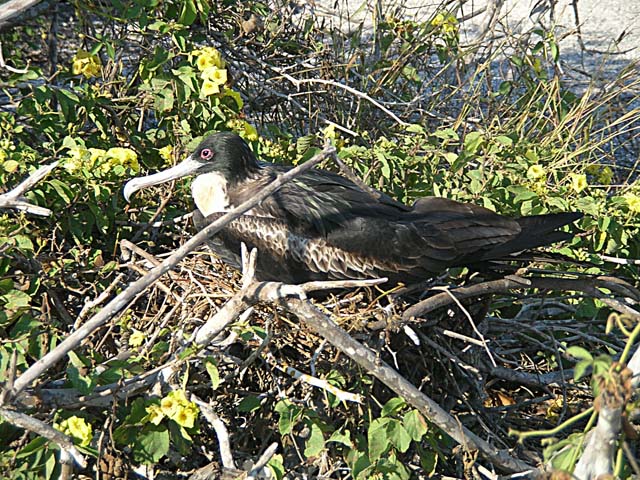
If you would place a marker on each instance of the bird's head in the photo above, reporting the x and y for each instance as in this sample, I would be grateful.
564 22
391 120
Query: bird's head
224 152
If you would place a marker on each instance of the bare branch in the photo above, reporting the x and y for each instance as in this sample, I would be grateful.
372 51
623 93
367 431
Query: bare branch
46 431
355 92
13 8
262 461
14 198
221 432
589 286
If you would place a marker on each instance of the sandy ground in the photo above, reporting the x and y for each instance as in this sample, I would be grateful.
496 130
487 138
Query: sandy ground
606 25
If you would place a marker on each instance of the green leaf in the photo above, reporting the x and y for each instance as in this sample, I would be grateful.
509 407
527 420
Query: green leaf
555 51
473 141
579 353
504 140
446 134
83 383
276 465
15 300
289 416
10 166
415 424
398 436
151 444
212 370
304 143
393 406
188 13
415 128
164 100
315 442
580 369
428 460
23 242
378 440
63 190
505 87
249 404
343 438
522 194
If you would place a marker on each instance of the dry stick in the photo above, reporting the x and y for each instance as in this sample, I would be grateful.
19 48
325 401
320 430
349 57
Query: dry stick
262 461
370 361
15 7
46 431
14 198
352 90
116 305
221 432
513 282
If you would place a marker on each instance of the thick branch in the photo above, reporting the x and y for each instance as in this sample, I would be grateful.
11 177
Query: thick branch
589 286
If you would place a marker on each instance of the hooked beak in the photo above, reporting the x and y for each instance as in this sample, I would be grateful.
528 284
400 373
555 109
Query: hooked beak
189 166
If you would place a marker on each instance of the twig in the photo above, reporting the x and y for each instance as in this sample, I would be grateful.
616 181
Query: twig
473 325
619 261
221 432
14 198
314 381
122 300
352 90
89 304
46 431
262 461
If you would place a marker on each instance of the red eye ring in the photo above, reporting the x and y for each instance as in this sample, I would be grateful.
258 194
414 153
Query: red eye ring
206 154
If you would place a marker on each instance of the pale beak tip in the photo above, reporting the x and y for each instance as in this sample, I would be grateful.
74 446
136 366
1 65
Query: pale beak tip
128 190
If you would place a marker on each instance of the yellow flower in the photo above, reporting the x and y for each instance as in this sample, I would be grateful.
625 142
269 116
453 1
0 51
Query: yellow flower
137 338
176 406
605 176
214 78
329 132
96 154
186 416
165 152
155 414
122 156
446 22
77 158
578 181
633 201
78 428
535 172
3 155
208 57
210 88
168 405
86 64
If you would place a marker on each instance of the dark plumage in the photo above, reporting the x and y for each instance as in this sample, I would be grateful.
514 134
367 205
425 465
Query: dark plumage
323 226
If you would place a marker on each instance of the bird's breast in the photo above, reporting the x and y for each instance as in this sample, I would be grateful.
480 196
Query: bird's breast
210 193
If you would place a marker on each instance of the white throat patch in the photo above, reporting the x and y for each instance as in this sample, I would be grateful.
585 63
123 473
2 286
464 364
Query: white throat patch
209 191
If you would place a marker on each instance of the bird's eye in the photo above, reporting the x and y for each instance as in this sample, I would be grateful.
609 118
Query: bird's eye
206 154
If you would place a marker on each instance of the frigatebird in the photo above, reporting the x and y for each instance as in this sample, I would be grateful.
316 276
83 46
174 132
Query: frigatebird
323 226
